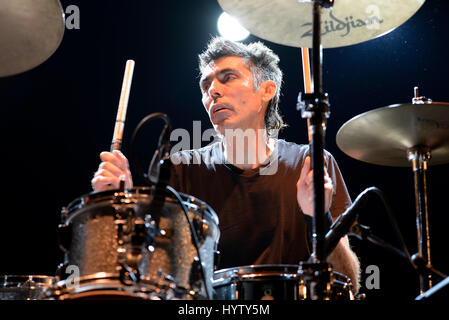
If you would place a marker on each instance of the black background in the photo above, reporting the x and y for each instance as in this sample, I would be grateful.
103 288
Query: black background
58 117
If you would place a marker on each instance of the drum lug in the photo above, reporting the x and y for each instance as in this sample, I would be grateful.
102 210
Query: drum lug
217 258
151 231
131 237
139 234
61 271
201 228
128 275
359 296
196 278
315 281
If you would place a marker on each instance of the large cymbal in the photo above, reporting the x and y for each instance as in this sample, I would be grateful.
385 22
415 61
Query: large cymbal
383 136
30 32
289 22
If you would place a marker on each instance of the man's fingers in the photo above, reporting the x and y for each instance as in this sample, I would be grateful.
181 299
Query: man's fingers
114 166
101 183
328 183
122 158
116 158
305 169
306 175
309 178
113 169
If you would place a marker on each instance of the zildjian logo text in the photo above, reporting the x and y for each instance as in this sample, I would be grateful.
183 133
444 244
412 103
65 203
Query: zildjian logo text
337 25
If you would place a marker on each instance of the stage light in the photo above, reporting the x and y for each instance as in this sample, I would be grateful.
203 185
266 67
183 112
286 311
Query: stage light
230 28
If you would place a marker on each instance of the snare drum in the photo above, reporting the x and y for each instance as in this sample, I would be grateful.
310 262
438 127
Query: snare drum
24 287
272 282
104 231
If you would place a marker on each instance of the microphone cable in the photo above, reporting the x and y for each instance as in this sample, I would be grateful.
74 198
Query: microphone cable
163 147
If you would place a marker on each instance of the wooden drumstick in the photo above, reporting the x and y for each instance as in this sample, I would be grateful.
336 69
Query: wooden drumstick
122 107
307 81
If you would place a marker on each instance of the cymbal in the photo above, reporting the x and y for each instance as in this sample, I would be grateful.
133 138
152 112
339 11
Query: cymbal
289 22
30 32
383 136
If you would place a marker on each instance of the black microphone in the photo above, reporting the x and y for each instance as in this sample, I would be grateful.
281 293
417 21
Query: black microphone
160 157
155 166
159 172
346 221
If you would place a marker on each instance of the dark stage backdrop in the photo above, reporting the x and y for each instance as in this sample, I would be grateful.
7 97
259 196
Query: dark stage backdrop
58 117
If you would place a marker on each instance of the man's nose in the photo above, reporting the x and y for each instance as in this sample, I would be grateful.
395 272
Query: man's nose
215 89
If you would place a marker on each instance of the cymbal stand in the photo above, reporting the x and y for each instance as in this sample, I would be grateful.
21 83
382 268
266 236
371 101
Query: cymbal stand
419 158
315 107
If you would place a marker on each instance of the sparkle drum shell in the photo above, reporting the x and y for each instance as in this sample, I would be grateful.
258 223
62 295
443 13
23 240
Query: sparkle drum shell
95 245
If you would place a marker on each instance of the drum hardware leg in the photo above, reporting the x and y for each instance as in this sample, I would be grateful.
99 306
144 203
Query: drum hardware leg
417 261
419 156
426 269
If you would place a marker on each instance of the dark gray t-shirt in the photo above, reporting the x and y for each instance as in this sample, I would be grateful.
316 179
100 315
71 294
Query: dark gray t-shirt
259 217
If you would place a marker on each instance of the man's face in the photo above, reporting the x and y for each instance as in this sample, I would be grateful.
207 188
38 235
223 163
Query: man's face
229 95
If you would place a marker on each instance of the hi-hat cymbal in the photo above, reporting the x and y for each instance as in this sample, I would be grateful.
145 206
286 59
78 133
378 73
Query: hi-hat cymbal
289 22
384 136
30 32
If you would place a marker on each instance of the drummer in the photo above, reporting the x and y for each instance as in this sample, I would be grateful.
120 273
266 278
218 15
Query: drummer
260 186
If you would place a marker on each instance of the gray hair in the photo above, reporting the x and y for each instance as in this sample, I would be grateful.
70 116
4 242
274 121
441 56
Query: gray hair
263 64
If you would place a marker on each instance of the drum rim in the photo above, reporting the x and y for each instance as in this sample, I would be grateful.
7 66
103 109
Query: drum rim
255 272
249 267
78 206
38 279
104 282
115 276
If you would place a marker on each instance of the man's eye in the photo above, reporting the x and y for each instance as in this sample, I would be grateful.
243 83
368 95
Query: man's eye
205 87
229 77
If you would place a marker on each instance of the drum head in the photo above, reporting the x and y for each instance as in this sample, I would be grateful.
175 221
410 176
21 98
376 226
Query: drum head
139 198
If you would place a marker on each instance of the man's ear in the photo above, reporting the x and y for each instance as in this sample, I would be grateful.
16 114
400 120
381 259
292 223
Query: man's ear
268 90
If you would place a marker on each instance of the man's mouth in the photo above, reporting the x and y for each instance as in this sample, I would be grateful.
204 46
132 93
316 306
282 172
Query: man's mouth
219 107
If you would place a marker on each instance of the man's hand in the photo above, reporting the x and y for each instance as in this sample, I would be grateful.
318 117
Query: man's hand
305 191
113 167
